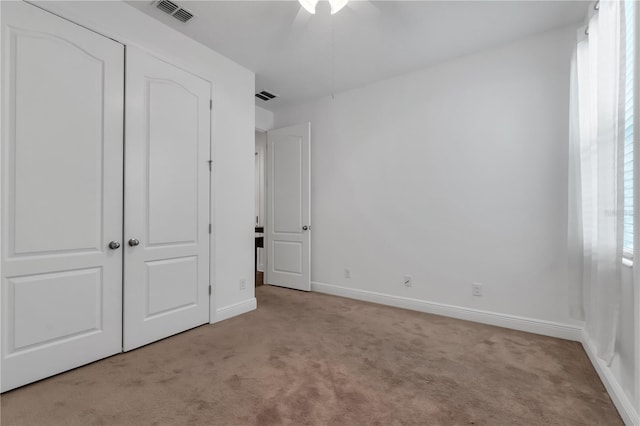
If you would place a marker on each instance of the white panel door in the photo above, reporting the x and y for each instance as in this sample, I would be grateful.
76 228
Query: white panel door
63 89
167 153
288 213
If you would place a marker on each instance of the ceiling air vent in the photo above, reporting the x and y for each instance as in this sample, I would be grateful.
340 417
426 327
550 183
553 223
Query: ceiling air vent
167 6
182 15
265 96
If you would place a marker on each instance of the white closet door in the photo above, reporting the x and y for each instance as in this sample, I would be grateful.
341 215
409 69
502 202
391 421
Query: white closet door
166 285
61 195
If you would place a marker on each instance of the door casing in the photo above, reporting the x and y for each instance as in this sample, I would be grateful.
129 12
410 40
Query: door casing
288 230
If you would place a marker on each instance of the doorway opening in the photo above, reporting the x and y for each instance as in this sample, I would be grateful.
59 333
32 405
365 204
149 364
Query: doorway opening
260 203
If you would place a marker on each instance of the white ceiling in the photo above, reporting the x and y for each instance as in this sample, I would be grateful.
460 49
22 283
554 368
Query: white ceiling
290 50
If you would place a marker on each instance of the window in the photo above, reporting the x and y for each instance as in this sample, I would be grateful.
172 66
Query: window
630 29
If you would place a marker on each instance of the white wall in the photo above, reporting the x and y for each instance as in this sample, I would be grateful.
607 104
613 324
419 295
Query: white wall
454 174
233 122
264 119
261 150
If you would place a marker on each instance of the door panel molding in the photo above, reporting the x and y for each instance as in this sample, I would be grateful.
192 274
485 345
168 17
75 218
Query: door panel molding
168 133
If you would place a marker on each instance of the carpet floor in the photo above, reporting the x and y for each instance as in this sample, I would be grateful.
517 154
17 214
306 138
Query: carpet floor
313 359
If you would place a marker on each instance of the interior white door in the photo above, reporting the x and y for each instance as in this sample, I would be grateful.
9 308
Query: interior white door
63 89
288 204
167 153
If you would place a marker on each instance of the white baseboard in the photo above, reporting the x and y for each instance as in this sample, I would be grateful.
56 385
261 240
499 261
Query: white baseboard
618 396
235 310
546 328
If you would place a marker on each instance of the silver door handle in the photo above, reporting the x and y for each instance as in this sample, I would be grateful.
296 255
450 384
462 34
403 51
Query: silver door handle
133 242
114 245
306 228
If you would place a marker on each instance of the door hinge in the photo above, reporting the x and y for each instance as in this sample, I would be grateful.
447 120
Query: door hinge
209 228
209 289
210 164
211 104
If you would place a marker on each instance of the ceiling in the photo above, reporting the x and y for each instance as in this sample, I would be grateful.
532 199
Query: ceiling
291 51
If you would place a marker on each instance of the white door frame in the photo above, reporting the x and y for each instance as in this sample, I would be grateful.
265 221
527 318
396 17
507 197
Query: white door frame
298 228
261 153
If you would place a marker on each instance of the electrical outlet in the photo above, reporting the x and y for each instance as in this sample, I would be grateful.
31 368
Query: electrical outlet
476 289
408 280
243 283
347 273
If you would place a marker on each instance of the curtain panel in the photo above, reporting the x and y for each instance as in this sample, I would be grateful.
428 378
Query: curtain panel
596 198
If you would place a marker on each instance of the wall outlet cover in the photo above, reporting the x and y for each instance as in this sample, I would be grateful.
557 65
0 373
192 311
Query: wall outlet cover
476 289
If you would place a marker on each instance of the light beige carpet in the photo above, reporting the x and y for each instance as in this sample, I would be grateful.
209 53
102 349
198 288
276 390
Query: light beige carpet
308 358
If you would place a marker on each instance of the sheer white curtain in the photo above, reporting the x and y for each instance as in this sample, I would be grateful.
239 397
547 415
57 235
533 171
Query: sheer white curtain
596 172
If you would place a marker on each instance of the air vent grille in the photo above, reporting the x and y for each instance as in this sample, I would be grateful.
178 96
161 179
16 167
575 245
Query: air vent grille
265 96
182 15
167 6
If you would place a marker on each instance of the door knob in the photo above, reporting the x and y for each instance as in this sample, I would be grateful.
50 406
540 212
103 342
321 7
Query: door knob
113 245
133 242
304 228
